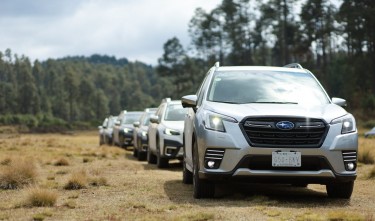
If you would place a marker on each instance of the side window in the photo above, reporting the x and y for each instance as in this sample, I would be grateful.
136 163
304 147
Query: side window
201 92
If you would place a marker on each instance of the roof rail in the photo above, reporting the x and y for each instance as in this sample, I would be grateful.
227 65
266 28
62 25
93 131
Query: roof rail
217 64
293 65
167 99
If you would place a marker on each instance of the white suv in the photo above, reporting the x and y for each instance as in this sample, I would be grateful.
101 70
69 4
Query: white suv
165 133
268 124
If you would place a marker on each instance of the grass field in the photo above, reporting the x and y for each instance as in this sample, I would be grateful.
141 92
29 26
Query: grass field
69 177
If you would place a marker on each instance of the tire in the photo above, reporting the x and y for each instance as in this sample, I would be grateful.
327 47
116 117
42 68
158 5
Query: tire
161 162
151 158
122 142
202 188
135 152
141 156
187 176
340 190
101 142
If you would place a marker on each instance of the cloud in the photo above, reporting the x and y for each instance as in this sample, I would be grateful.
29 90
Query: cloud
135 29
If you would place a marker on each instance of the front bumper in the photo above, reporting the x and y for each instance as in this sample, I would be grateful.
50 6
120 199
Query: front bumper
172 147
241 161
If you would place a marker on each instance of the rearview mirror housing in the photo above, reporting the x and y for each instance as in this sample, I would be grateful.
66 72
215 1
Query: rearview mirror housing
189 101
339 101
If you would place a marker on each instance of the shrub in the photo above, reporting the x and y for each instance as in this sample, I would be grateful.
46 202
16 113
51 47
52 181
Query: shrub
372 173
365 156
6 161
77 181
17 174
41 198
61 162
98 181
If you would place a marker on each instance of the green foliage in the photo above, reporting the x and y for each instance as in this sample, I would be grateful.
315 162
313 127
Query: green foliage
336 43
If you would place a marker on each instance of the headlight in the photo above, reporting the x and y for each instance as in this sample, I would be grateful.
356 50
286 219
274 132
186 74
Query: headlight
144 133
127 130
348 123
169 131
214 121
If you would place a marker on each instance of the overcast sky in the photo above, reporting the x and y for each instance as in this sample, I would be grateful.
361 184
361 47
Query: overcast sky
134 29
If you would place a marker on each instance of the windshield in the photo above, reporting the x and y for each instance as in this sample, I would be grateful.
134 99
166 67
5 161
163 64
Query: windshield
175 112
146 118
266 86
131 118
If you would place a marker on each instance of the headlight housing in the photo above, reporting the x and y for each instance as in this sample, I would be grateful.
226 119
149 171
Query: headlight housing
348 123
127 130
169 131
144 133
214 121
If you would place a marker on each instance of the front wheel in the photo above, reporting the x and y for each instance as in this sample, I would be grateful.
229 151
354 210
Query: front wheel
202 188
187 176
135 152
151 158
340 190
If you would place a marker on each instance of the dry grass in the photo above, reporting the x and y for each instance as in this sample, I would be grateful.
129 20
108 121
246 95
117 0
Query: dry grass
78 180
345 216
6 161
41 198
61 162
18 173
98 181
371 174
366 152
133 190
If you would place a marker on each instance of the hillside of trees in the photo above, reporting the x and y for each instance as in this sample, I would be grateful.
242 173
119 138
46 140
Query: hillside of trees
335 42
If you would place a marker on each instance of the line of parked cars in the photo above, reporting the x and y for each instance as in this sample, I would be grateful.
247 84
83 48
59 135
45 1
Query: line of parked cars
252 124
156 134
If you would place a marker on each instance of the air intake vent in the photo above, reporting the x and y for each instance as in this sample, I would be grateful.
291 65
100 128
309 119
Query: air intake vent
349 156
213 158
350 159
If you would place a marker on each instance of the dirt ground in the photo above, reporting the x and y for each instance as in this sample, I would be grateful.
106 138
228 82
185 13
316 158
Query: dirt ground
134 190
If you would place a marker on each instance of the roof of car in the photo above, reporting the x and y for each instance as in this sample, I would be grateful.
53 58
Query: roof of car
263 68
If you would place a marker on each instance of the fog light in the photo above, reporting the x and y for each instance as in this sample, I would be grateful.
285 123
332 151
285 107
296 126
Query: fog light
211 164
350 166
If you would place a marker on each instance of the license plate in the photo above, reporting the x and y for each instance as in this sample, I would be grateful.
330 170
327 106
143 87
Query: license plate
286 159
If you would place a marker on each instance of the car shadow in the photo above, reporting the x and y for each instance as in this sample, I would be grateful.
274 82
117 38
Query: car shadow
173 166
243 194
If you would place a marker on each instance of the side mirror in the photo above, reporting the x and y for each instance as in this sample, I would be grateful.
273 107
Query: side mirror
100 127
136 124
117 122
189 101
339 101
154 119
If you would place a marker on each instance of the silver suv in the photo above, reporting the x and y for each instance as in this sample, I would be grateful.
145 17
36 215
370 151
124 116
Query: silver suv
268 124
165 133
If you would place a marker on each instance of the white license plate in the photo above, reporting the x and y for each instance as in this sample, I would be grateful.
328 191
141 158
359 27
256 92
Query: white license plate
286 159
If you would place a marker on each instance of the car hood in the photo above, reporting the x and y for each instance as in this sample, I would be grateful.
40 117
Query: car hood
176 125
240 111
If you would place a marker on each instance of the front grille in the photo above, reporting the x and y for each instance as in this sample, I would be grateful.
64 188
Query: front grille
306 132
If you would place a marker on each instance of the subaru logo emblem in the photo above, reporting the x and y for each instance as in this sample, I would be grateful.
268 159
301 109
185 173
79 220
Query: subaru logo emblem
285 125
